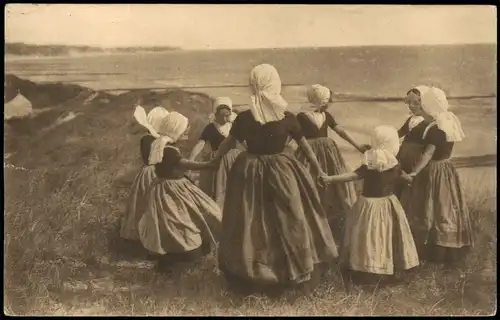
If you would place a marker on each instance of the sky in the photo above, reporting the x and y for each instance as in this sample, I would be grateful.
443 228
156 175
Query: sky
248 26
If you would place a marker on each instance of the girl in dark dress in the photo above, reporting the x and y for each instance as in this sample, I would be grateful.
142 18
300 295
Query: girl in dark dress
337 199
377 239
442 222
412 131
181 222
275 232
137 203
213 182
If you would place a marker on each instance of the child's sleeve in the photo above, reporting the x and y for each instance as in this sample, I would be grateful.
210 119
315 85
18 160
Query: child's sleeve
238 127
294 127
405 129
171 157
436 137
330 120
145 148
302 119
205 135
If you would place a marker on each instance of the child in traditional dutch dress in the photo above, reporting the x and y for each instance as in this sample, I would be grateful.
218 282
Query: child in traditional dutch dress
213 182
337 199
182 222
137 203
275 233
442 223
377 239
412 131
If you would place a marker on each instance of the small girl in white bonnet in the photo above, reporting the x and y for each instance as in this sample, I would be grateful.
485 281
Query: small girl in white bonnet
181 222
377 238
137 202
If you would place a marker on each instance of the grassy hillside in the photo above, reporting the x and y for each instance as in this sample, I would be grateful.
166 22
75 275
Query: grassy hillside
67 187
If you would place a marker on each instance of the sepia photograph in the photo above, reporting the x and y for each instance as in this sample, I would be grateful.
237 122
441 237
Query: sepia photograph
250 160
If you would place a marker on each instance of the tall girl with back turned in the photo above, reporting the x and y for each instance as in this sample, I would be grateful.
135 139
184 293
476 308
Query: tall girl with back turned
213 182
337 199
275 232
181 222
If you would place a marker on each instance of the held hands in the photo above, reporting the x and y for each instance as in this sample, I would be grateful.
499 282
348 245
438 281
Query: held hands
190 175
408 178
364 147
214 163
323 179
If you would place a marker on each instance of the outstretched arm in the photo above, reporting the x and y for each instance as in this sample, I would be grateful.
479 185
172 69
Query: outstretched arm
424 160
345 177
309 153
347 137
195 165
196 150
225 146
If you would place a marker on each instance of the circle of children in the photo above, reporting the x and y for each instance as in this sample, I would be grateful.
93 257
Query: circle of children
278 219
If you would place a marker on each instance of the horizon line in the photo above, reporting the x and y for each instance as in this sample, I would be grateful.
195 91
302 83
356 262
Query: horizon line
255 48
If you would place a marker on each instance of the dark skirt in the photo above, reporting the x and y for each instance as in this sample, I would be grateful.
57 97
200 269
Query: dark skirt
247 287
213 182
180 218
274 229
167 261
409 155
137 203
438 213
337 199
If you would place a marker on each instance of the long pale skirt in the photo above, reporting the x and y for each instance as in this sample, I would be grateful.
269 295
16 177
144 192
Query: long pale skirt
180 218
213 182
409 155
274 230
137 203
337 199
437 208
378 238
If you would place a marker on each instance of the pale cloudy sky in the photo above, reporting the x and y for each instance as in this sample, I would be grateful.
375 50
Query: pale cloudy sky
248 26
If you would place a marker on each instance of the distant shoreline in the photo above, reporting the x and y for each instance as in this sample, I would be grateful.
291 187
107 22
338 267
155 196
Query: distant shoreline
348 47
21 51
35 51
18 57
102 52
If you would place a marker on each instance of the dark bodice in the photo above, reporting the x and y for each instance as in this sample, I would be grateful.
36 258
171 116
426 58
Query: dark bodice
379 184
211 135
170 168
414 135
311 130
145 145
270 138
437 138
